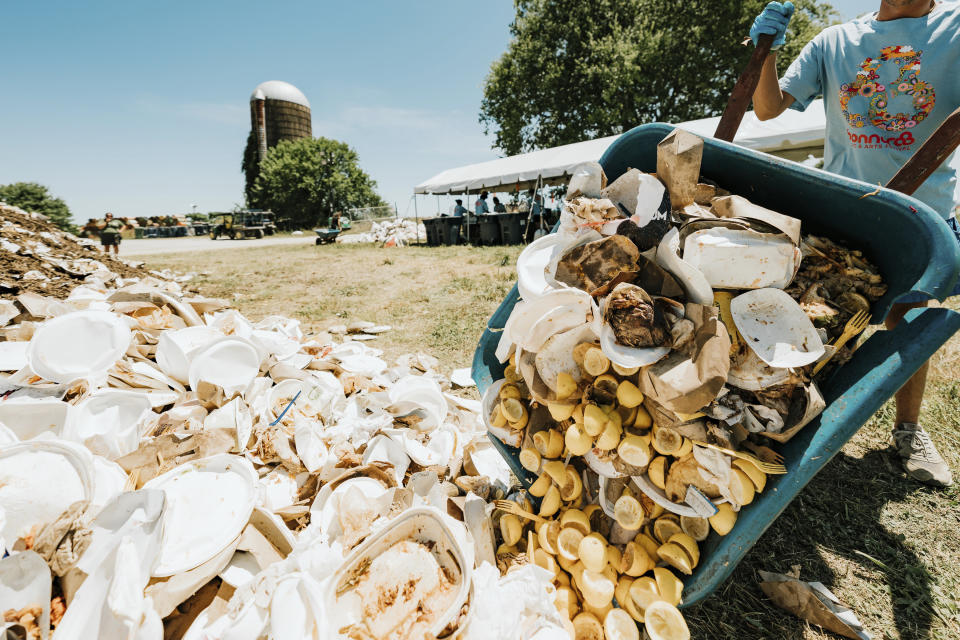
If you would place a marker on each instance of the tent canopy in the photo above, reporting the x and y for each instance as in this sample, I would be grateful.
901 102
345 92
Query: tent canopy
794 134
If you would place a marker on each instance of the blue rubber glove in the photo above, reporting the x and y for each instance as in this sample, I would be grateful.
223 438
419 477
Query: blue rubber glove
773 20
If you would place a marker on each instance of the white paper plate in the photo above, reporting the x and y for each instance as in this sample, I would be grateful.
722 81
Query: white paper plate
327 513
692 280
107 422
209 502
532 264
175 348
29 417
39 480
628 357
420 524
78 345
741 259
230 363
776 328
13 355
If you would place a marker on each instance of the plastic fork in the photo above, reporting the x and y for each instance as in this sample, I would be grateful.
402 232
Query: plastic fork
764 453
855 327
512 507
767 467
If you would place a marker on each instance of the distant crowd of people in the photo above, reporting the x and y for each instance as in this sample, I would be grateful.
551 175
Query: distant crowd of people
532 203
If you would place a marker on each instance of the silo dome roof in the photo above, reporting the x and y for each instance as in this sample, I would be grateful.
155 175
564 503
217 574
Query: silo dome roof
279 90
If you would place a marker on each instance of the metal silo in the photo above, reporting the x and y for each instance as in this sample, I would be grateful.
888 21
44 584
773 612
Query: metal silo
278 111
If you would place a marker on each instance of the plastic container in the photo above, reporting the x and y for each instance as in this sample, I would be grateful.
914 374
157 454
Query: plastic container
420 524
909 243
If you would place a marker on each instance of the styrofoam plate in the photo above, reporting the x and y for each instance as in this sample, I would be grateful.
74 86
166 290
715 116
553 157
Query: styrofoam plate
209 502
776 328
78 345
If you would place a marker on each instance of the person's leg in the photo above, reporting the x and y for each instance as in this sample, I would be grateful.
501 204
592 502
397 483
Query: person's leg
921 460
910 395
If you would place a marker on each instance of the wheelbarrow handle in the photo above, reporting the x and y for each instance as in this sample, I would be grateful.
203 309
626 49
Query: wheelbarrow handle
743 91
929 156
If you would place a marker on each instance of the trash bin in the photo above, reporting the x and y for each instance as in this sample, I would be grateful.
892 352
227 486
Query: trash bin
510 230
450 230
489 231
471 231
138 233
908 242
432 225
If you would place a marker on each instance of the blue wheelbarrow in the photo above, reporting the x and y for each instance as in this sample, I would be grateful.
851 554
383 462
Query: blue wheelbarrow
325 236
908 242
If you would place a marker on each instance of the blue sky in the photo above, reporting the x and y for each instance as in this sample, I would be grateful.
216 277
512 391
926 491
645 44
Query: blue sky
141 108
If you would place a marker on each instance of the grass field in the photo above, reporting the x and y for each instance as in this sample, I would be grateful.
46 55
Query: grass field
885 545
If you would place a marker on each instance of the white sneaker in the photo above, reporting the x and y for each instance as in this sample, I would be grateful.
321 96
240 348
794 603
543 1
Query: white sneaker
921 460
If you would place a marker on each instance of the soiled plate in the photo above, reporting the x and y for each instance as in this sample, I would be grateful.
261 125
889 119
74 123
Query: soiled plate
38 481
209 502
776 328
78 345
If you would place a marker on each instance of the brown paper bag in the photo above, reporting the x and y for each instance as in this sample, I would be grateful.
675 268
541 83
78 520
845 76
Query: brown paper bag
686 381
678 166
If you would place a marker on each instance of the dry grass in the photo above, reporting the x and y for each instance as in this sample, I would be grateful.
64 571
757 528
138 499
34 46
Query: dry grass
887 546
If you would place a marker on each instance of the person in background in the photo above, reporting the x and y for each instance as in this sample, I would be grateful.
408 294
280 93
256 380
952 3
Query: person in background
480 206
881 105
459 210
335 221
537 204
498 206
110 233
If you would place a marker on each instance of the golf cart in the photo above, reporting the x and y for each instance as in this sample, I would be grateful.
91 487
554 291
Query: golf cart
249 223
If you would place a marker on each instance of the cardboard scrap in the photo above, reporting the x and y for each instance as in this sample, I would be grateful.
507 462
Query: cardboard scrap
813 602
687 380
678 165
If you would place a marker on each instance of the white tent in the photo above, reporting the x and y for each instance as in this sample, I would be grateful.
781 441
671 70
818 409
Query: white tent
794 134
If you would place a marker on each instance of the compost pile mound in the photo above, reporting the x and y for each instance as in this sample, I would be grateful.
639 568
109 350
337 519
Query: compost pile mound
35 256
170 469
666 335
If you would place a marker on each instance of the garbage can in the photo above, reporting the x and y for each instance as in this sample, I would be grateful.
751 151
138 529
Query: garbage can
489 230
909 243
510 230
471 230
450 230
432 225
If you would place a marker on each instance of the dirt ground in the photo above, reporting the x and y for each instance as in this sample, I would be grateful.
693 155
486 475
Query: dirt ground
885 545
40 246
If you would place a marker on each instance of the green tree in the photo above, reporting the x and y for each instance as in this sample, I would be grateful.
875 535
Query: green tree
581 69
250 167
307 180
31 196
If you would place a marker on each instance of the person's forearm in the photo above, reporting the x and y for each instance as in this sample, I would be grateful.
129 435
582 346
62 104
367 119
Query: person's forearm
768 100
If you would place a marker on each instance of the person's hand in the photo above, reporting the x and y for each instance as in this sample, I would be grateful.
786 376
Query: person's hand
773 20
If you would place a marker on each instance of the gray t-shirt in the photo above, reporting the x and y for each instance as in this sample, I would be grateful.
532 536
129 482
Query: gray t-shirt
886 87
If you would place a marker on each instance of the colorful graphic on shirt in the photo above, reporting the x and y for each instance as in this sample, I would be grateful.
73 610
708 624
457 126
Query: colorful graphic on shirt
908 83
